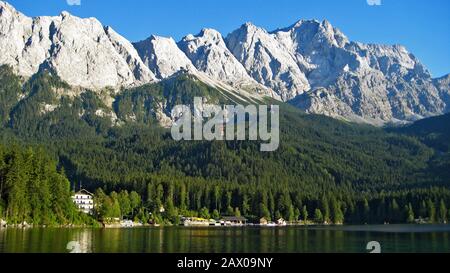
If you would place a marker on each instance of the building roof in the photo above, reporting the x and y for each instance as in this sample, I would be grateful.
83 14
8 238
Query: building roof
234 218
83 192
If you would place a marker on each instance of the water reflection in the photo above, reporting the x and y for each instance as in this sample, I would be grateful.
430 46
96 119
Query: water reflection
227 240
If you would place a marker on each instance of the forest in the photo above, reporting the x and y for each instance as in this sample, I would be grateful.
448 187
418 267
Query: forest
326 170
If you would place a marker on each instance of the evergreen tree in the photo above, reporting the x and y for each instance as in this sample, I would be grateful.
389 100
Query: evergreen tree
135 201
204 213
158 198
305 213
325 209
442 212
278 215
297 214
237 212
394 211
366 211
381 211
19 208
336 212
125 203
183 197
431 211
409 213
215 215
264 212
423 211
291 217
245 204
217 197
318 217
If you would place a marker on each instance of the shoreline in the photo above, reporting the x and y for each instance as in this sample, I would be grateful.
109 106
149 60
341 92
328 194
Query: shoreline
114 226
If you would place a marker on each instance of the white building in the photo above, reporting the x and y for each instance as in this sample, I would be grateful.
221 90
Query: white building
84 200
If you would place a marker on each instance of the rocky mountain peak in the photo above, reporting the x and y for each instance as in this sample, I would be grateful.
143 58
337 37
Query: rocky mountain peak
210 34
267 60
80 51
311 64
209 54
163 56
306 33
65 14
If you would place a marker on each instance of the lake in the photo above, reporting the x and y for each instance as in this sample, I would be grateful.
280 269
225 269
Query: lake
348 239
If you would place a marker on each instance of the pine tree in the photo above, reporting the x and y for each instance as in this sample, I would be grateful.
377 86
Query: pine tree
172 212
2 177
204 213
19 208
318 217
431 211
183 197
409 213
125 203
442 212
366 211
215 215
150 194
278 215
100 201
305 214
325 209
336 212
291 214
245 204
394 211
423 212
113 206
229 199
381 211
264 212
271 203
135 201
217 197
61 202
158 198
297 214
237 212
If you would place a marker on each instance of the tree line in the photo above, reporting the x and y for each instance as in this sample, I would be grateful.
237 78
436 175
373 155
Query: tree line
33 190
164 199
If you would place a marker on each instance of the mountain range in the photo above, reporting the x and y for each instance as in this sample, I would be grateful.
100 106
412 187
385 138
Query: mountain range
311 65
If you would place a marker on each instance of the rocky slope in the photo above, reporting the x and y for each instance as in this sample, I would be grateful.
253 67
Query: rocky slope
310 64
339 78
443 84
209 53
163 56
81 51
267 61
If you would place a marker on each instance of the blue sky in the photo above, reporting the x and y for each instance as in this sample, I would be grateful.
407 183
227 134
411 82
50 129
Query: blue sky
423 26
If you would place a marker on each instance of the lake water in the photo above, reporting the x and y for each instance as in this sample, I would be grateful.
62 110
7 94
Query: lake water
348 239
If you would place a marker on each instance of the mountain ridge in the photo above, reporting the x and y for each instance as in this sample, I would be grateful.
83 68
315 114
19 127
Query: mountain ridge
310 64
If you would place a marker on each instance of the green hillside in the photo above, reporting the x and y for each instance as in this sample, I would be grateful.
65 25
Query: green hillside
349 172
